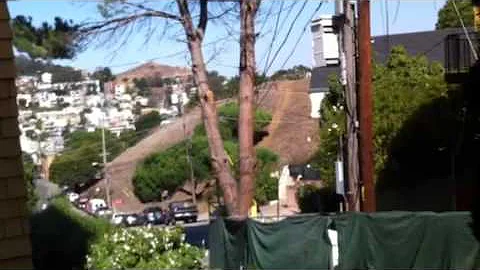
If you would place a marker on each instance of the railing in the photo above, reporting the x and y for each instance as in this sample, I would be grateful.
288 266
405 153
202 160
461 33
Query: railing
459 56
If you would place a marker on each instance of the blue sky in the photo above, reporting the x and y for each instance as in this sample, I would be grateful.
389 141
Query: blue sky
404 16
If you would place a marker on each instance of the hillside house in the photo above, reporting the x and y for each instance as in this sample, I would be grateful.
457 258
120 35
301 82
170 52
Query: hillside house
325 53
292 177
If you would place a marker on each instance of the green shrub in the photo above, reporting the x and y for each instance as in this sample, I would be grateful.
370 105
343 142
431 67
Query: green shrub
144 248
169 170
61 236
312 199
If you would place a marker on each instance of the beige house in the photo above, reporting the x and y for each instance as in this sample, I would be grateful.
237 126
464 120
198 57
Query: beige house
291 178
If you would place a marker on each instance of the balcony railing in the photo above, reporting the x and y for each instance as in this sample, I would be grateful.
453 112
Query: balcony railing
459 56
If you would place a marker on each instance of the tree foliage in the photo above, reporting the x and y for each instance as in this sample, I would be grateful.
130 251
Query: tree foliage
47 41
76 165
148 121
294 73
169 170
31 67
448 18
312 199
401 86
29 172
103 74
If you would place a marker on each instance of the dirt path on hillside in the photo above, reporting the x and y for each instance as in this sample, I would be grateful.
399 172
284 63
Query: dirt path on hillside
293 135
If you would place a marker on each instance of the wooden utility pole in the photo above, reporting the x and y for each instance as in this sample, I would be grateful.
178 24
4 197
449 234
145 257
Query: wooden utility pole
366 106
348 66
188 148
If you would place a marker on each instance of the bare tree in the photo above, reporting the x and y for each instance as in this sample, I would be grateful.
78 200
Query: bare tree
125 20
248 10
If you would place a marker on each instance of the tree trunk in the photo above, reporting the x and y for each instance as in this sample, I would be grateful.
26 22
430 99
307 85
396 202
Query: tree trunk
248 10
220 161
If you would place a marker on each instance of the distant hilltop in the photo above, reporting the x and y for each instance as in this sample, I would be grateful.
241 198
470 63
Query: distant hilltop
153 70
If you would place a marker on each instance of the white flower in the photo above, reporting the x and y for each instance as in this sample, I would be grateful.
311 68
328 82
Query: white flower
334 126
329 130
341 108
334 108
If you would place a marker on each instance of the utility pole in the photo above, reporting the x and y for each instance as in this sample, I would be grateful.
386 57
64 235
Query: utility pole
190 163
105 172
104 154
346 22
366 106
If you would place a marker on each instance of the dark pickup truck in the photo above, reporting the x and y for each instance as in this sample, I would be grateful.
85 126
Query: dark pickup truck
185 211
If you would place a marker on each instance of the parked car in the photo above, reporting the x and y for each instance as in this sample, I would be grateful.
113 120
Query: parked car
72 196
82 203
135 220
94 204
156 216
185 211
104 212
128 220
119 218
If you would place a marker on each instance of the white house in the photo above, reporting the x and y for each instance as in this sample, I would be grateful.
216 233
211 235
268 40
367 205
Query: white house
26 97
46 78
94 100
120 89
326 59
97 117
143 101
45 99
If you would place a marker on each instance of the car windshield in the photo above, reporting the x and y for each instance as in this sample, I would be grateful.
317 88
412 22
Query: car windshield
182 204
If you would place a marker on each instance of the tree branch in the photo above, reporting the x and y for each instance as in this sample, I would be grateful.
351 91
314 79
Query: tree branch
202 23
156 13
118 22
186 19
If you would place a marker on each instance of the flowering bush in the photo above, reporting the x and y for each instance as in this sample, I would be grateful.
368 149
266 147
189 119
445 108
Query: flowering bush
144 248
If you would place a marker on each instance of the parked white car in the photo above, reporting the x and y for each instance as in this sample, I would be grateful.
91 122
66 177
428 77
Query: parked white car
73 197
94 204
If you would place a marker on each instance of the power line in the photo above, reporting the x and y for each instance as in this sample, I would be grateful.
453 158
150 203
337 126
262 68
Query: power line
301 35
472 48
273 37
287 36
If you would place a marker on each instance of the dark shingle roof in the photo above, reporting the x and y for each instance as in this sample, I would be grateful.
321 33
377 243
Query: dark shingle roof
319 79
428 43
307 173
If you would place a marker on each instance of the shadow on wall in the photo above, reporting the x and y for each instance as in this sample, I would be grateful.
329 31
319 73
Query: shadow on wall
59 239
432 164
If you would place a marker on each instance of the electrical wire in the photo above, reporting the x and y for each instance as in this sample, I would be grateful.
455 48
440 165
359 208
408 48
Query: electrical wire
275 31
301 35
286 36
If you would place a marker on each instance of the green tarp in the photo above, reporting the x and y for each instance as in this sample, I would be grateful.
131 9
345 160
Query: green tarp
295 243
390 240
406 240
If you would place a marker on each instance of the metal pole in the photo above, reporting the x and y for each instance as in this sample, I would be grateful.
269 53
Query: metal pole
104 155
365 107
348 64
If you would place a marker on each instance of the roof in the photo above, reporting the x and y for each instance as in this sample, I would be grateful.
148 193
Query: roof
307 172
428 43
319 80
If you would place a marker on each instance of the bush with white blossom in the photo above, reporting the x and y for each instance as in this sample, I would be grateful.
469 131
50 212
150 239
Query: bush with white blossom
145 248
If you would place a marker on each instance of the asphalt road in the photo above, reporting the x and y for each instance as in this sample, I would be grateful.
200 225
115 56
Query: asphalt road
196 234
